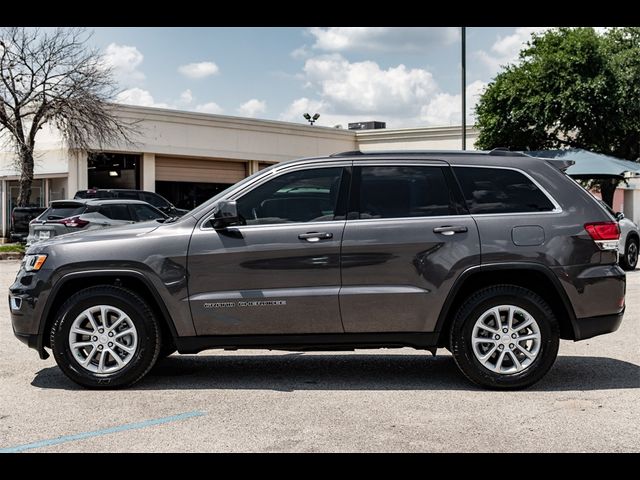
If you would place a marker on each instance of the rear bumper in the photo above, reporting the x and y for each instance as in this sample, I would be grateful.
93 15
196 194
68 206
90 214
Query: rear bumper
593 326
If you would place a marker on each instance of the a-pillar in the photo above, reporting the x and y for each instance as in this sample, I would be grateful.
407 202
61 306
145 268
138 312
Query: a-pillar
149 172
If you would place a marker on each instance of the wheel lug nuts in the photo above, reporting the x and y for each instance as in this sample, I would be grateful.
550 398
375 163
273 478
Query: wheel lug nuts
99 347
110 344
94 339
497 337
500 347
512 346
514 336
505 330
101 330
111 334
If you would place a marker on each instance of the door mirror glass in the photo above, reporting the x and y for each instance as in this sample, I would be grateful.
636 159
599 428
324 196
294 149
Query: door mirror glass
225 215
619 216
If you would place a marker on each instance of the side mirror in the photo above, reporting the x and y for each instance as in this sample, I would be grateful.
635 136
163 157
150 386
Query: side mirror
225 215
619 216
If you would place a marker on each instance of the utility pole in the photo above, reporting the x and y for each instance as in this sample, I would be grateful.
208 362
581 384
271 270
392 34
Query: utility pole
464 88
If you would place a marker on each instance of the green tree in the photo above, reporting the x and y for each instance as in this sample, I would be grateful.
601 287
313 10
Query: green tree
572 88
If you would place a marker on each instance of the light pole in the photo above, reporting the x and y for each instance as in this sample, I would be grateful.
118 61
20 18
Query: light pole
464 88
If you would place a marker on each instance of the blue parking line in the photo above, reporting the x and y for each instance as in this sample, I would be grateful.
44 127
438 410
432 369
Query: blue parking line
98 433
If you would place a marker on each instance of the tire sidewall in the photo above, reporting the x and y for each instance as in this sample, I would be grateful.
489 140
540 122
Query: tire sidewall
471 366
146 333
626 264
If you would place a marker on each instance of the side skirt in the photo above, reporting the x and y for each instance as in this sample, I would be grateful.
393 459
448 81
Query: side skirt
309 342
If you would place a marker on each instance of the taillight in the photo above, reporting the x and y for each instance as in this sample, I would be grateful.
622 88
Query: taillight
605 234
73 222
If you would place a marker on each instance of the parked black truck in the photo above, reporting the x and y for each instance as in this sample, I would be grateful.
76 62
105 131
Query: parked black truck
20 218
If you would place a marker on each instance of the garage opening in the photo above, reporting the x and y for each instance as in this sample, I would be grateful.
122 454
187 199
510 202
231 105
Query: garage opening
189 195
113 170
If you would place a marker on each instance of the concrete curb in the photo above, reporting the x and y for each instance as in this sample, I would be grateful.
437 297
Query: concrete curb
11 255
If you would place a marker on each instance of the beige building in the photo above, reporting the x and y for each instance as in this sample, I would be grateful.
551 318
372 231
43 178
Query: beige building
188 157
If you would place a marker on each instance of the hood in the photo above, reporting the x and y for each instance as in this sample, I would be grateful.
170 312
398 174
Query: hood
98 235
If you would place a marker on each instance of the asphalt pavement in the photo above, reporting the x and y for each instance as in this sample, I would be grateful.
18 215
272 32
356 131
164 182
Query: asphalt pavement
395 400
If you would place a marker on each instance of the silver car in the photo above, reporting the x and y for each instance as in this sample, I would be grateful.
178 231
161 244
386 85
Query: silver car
67 216
629 239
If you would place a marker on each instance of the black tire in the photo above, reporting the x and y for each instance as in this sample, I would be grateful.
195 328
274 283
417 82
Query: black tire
484 299
148 331
629 259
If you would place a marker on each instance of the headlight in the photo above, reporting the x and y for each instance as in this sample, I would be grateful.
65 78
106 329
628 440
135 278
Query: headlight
33 263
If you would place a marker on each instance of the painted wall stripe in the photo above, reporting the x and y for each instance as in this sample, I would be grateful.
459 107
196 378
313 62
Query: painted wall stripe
98 433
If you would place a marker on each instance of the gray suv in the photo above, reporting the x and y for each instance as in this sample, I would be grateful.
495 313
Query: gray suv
495 256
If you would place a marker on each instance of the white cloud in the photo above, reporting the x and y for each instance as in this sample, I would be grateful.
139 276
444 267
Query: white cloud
444 108
124 60
382 39
252 108
138 96
363 87
186 97
210 107
301 52
505 49
303 105
199 70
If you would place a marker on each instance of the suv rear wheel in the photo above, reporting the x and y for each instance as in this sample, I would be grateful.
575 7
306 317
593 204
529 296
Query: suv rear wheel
505 337
629 258
105 337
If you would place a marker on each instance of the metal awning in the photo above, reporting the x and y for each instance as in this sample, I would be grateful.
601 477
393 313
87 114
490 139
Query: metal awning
591 165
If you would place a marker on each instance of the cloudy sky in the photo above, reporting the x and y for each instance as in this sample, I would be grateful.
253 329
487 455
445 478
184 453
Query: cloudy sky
407 77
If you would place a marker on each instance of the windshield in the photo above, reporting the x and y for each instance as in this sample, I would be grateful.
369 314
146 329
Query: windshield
206 206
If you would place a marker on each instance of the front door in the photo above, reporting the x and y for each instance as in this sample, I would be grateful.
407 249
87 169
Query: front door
406 240
278 272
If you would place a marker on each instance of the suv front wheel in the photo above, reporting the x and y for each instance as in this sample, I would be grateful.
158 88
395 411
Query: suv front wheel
105 337
505 337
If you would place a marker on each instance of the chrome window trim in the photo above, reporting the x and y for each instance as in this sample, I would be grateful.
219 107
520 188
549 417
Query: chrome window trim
276 172
556 206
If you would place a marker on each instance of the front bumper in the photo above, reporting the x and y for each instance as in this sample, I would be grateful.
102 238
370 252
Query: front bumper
593 326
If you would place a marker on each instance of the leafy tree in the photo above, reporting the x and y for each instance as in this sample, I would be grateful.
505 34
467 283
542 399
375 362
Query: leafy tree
573 88
54 78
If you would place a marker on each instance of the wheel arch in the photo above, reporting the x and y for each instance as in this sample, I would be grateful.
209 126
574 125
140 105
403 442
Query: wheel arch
535 277
130 279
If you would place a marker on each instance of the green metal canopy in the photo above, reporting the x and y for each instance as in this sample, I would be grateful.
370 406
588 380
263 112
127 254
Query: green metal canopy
591 165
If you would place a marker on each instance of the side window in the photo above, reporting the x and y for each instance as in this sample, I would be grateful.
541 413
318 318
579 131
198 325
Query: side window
115 212
499 190
302 196
155 200
129 195
142 213
403 191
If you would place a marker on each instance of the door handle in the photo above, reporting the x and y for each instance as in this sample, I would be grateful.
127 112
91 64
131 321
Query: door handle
315 236
450 229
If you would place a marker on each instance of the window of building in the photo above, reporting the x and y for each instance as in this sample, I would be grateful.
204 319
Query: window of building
499 190
302 196
404 191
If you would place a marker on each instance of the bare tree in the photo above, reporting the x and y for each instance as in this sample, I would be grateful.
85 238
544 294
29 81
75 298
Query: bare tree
53 77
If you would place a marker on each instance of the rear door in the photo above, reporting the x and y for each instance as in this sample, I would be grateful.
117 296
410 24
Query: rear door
406 239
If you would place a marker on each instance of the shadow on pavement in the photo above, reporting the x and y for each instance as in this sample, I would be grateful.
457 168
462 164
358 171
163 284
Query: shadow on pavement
294 371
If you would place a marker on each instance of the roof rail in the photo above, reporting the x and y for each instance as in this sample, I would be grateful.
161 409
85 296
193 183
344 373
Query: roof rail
346 154
504 151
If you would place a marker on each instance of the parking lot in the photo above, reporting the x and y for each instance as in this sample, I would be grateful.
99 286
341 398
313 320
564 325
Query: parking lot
370 400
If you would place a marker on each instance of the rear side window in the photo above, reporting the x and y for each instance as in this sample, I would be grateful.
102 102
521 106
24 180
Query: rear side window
403 191
499 190
142 213
155 200
63 211
115 212
130 195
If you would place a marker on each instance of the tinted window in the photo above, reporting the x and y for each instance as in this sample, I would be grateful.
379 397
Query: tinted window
62 211
115 212
498 190
142 213
129 195
303 196
155 200
396 192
